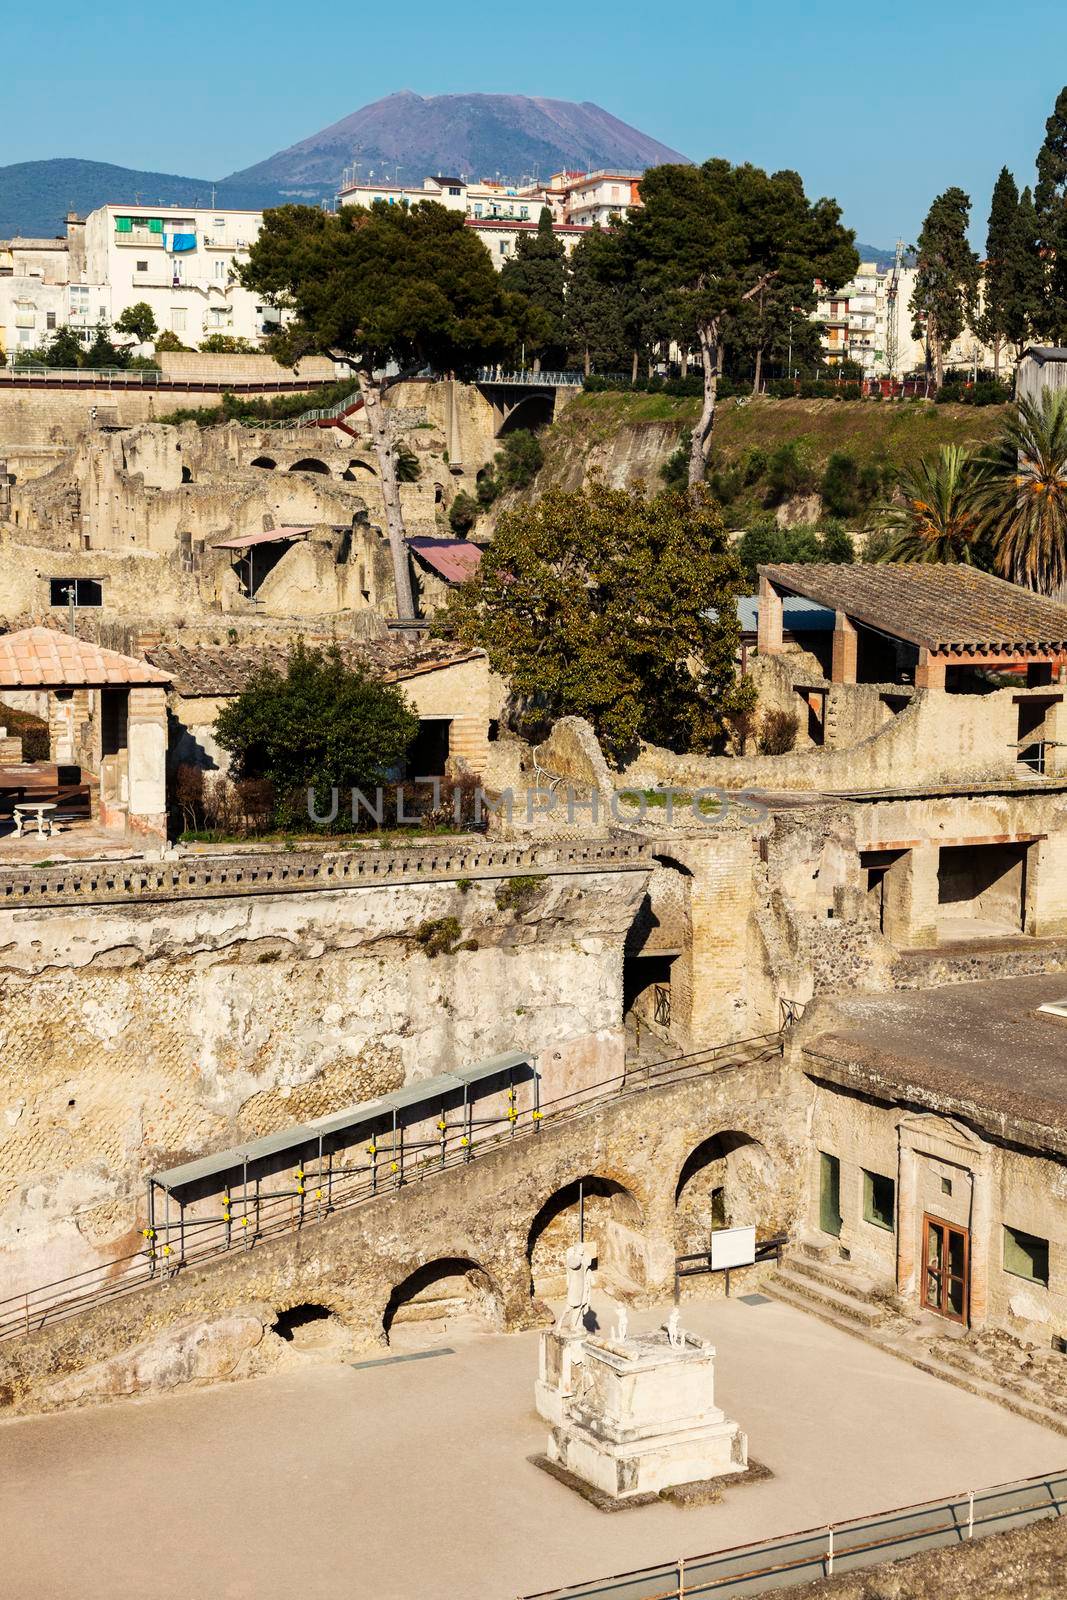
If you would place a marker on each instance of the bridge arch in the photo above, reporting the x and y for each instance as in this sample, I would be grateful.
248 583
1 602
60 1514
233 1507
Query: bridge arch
440 1291
729 1179
613 1220
533 411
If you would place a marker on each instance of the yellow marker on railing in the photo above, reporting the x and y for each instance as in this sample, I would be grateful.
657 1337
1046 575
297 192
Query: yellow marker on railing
393 1167
244 1222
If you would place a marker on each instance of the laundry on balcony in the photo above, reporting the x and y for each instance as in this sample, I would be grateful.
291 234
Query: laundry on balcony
180 241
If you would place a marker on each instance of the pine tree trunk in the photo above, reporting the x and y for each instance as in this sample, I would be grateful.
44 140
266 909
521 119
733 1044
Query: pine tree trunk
757 379
370 389
633 369
587 364
996 359
709 361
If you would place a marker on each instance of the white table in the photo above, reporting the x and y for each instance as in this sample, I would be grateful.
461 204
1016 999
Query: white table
34 810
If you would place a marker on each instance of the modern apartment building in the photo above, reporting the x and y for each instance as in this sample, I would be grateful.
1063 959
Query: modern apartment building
859 320
36 295
183 262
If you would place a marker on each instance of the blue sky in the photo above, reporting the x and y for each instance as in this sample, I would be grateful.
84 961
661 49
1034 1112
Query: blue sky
881 105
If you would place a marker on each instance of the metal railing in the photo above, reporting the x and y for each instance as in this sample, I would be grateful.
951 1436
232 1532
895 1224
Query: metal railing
123 378
541 380
250 1218
849 1546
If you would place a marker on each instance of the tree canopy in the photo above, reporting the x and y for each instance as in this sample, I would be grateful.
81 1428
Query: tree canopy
538 272
319 725
617 606
393 283
1050 205
707 240
138 320
944 299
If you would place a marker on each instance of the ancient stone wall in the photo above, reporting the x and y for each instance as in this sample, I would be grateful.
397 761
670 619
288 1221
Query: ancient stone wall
141 1024
491 1215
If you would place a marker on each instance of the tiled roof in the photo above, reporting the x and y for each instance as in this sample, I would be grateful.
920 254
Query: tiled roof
43 658
940 607
225 670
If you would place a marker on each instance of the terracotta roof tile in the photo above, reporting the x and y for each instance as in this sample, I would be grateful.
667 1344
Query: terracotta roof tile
940 607
42 658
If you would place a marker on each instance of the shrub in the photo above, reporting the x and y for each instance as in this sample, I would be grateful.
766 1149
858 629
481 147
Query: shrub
519 894
463 513
439 937
788 474
778 732
30 729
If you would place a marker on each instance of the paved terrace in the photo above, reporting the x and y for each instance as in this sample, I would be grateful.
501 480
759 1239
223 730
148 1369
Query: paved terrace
411 1479
981 1049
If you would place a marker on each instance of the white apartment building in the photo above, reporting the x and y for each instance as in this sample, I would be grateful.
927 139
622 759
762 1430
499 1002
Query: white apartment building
180 261
501 236
35 299
600 197
859 320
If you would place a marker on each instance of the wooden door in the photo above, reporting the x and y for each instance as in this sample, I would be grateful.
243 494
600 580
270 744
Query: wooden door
946 1269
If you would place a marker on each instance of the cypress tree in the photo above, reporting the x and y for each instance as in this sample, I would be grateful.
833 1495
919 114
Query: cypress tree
1050 203
999 249
946 283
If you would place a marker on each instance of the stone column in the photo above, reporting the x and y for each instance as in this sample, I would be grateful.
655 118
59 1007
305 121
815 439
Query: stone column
930 670
981 1221
908 1242
147 755
909 904
845 653
769 621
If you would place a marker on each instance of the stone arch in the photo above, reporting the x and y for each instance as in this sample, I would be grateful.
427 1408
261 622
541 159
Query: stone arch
533 411
729 1179
266 462
614 1222
438 493
310 464
355 467
441 1292
310 1324
187 474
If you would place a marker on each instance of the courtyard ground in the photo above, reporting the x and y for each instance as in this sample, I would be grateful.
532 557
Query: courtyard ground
410 1478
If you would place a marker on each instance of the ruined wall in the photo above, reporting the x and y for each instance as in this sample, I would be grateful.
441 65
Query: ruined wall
485 1213
39 416
136 1035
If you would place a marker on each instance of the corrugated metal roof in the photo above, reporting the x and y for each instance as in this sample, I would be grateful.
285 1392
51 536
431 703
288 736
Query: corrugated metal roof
455 560
245 541
301 1135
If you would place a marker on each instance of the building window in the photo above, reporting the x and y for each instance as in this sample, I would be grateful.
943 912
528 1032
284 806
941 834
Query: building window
879 1200
219 223
454 190
142 266
504 247
829 1194
946 1185
1026 1256
220 270
177 319
86 591
49 319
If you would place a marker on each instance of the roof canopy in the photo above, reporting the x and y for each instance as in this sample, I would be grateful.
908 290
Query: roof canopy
944 609
42 658
244 541
455 560
425 1093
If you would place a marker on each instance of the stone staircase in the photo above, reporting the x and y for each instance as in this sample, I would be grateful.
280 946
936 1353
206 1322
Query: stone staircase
991 1363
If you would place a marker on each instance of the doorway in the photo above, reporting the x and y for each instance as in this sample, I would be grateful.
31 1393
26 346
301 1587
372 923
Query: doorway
946 1271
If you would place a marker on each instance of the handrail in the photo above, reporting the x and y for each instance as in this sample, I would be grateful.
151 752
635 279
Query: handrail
123 378
542 380
820 1551
249 1219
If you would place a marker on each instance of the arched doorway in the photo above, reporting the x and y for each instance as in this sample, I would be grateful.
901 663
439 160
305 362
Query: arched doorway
442 1296
729 1180
265 462
355 468
606 1214
310 464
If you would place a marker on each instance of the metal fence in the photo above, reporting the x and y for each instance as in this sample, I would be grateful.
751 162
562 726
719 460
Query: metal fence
540 380
816 1553
382 1174
123 378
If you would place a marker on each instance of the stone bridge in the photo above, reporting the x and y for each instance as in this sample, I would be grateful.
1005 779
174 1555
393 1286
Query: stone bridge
650 1170
526 399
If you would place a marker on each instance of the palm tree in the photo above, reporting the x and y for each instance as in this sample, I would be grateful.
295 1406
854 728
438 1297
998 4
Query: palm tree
938 518
1023 493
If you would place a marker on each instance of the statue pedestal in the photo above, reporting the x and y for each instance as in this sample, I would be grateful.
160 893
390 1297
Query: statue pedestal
640 1415
559 1354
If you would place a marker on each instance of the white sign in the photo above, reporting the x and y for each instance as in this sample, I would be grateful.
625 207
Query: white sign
733 1247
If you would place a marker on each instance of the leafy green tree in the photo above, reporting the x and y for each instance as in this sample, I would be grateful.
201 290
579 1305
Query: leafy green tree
463 514
102 353
1050 205
937 516
764 541
1022 493
65 350
707 240
595 310
617 606
138 320
946 279
847 489
227 344
169 341
538 272
320 725
393 283
997 278
1024 291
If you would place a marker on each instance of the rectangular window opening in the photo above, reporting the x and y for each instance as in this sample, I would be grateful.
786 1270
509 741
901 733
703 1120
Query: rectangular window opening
1026 1256
879 1200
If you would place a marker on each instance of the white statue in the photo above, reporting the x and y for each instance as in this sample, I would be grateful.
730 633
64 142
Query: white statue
675 1336
622 1324
579 1261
